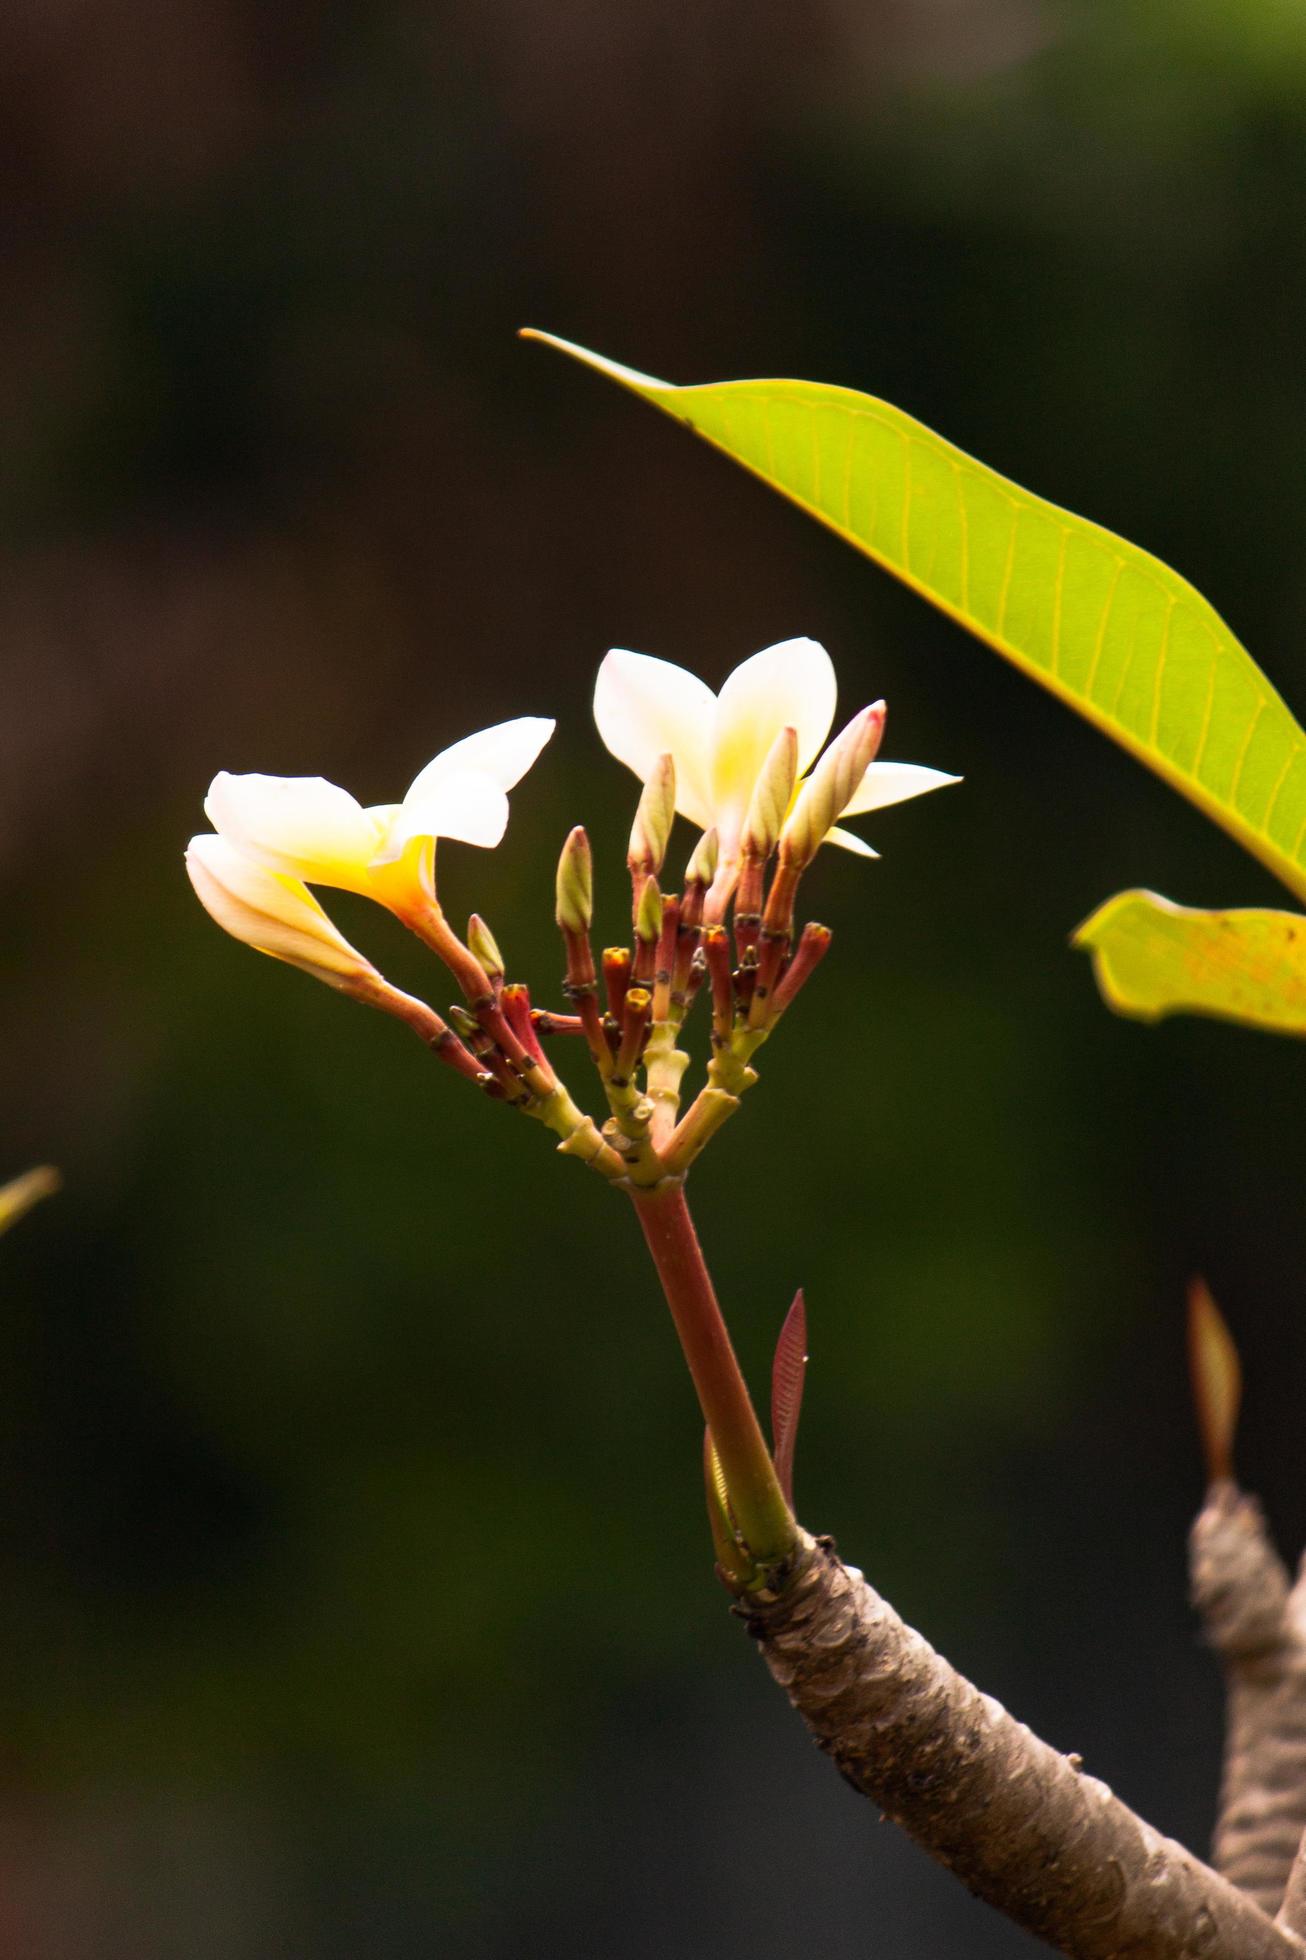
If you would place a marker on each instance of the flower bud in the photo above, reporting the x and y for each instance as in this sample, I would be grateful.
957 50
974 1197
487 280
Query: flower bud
575 884
653 819
701 869
831 786
274 913
484 945
648 913
616 976
772 795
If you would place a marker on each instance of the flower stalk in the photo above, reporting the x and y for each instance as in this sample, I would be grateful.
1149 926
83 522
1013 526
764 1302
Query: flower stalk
761 1514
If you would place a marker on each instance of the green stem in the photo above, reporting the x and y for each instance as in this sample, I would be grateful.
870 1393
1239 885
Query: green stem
764 1518
664 1065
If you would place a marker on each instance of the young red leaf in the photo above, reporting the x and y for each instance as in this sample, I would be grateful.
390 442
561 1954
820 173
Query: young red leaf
787 1374
1217 1381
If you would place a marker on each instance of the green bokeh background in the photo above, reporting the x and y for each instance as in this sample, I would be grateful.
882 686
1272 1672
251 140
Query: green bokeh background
355 1596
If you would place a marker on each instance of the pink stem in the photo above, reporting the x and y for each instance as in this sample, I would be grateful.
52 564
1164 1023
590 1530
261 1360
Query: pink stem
763 1516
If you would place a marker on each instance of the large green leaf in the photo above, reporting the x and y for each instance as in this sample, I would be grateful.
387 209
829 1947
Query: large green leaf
1154 958
1106 626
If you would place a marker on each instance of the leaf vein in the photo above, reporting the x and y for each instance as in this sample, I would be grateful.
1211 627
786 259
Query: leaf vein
963 529
1100 641
1017 512
1058 590
1154 720
1206 713
1280 780
1252 726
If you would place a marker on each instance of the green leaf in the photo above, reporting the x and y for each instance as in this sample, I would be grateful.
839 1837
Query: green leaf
1153 958
1107 627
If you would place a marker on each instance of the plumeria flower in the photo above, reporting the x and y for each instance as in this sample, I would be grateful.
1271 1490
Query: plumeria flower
278 915
272 912
646 708
305 828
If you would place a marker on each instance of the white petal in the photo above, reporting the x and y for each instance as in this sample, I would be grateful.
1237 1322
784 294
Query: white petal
300 825
383 815
791 685
893 782
503 753
646 708
269 911
468 805
849 842
390 833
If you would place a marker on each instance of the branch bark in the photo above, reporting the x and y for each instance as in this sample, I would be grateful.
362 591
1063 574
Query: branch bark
1257 1623
1018 1823
1292 1913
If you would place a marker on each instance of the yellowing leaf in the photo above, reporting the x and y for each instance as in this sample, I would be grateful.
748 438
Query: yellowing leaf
1152 958
1107 627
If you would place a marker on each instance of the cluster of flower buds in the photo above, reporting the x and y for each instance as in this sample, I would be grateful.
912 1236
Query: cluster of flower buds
738 765
739 945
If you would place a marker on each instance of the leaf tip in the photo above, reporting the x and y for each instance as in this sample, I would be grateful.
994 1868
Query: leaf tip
1093 930
629 377
1108 936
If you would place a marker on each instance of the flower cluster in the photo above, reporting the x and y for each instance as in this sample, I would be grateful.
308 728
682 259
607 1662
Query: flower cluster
744 766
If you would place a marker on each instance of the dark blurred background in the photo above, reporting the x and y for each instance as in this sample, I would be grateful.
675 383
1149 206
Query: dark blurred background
355 1596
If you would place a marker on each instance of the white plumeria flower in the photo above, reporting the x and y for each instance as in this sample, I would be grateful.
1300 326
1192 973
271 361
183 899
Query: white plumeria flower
278 915
306 828
646 708
273 913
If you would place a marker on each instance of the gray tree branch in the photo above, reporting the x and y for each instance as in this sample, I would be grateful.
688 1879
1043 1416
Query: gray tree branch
1257 1623
1018 1823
